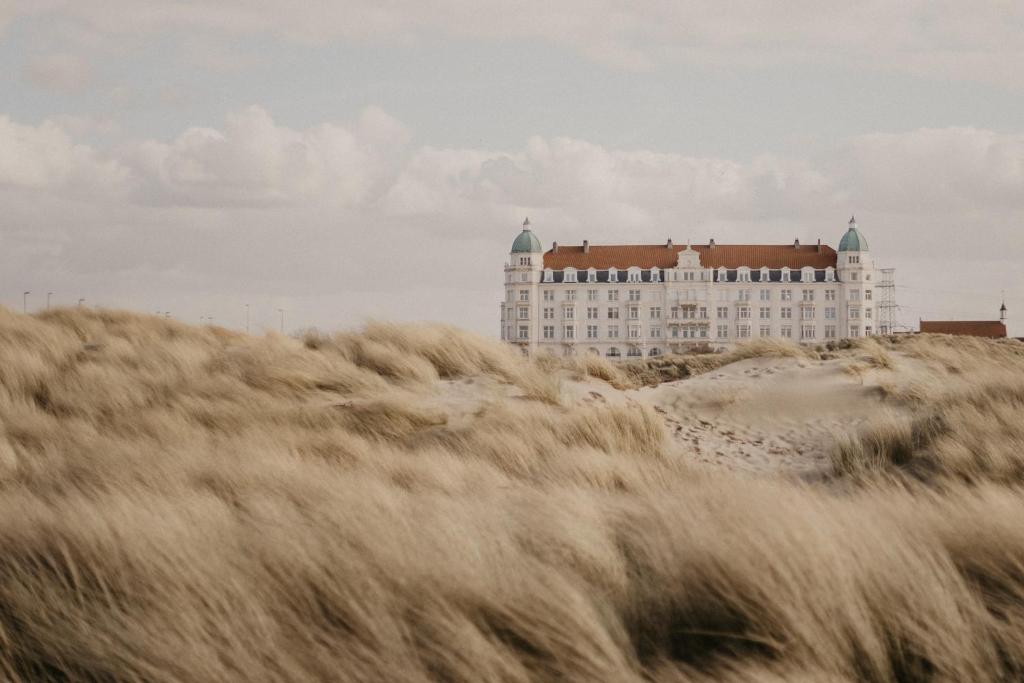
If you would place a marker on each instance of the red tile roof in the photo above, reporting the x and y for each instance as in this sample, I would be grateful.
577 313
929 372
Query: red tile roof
970 328
728 255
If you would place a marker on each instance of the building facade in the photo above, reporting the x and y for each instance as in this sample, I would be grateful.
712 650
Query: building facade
633 301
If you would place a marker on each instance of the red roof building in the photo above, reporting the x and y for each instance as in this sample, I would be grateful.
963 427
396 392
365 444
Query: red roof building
993 329
712 255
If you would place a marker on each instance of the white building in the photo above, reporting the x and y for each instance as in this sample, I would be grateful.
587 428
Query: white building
646 300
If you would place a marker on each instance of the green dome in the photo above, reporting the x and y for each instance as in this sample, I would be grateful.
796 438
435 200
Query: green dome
853 240
527 242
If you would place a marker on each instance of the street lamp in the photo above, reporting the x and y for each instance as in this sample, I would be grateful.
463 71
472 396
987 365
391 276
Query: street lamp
48 295
247 318
281 311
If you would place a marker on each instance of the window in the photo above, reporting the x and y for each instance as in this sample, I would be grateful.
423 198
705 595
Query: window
592 313
853 276
654 352
867 313
743 295
807 275
723 312
785 275
786 295
853 295
524 260
549 314
570 295
766 330
613 295
766 295
655 333
854 313
655 275
830 313
766 313
633 275
743 275
613 331
688 276
634 295
854 331
613 275
613 314
830 331
867 294
634 352
634 333
743 331
591 331
656 313
613 353
524 295
808 295
743 312
549 295
549 331
569 275
524 313
591 295
807 332
807 313
570 312
524 277
830 274
723 331
703 312
634 312
786 313
592 276
570 332
867 330
853 259
549 276
524 332
830 295
786 332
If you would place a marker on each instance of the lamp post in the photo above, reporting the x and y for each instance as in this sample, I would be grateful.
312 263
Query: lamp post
24 302
281 311
247 318
48 295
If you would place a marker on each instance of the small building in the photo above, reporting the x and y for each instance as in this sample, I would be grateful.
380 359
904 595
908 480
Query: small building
993 329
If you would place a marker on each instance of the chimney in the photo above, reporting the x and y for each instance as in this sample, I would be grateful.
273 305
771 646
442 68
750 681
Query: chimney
819 245
586 246
669 243
796 243
554 247
711 243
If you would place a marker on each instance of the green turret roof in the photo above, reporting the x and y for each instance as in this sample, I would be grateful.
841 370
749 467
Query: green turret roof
526 242
853 240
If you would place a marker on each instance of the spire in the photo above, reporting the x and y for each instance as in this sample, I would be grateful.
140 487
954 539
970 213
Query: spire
1002 310
526 223
853 221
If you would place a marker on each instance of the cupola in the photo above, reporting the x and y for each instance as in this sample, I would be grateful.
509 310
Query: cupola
526 242
853 240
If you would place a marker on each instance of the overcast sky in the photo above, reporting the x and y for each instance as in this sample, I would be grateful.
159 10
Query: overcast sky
368 159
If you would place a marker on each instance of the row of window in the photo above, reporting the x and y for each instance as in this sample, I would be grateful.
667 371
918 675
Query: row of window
740 331
739 294
722 274
742 312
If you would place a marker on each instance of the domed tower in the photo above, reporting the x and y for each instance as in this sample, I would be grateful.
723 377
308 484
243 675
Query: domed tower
519 310
855 271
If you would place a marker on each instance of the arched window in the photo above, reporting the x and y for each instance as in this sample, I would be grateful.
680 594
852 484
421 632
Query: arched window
655 352
613 353
549 276
722 274
634 352
633 274
807 274
593 351
655 275
591 274
765 276
570 275
785 274
613 275
830 274
743 274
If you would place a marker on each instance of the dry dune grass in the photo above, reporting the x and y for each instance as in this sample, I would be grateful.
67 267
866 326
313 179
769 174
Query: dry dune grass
183 504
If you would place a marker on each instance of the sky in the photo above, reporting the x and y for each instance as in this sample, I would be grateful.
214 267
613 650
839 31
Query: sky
356 160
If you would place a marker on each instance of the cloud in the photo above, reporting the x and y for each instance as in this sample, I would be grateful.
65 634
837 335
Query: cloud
45 157
60 71
974 41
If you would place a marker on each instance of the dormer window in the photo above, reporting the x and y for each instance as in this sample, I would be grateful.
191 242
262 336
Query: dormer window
722 274
633 274
591 275
570 275
655 275
785 275
743 274
830 274
764 274
613 275
807 274
549 275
